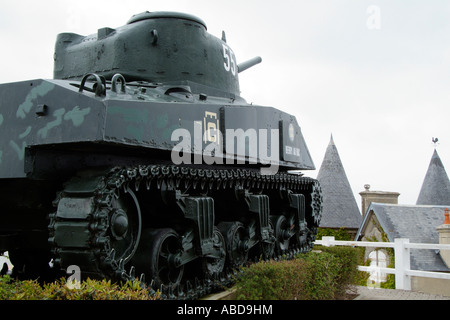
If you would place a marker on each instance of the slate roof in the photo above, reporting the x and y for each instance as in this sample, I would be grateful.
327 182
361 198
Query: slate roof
417 223
436 185
339 204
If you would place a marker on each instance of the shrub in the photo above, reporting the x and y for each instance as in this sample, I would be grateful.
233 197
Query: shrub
15 290
311 276
348 258
322 276
270 280
58 290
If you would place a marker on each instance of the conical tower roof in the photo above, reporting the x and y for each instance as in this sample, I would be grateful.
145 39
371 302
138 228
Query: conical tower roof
339 204
436 185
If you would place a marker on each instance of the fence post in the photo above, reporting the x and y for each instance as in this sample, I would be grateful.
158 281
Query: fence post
402 263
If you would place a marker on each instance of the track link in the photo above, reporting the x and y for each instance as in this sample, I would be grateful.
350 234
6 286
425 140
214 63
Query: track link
87 228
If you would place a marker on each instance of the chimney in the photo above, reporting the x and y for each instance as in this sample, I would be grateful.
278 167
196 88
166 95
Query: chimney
367 197
444 237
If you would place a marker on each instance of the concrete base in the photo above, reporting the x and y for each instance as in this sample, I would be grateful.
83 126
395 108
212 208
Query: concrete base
223 295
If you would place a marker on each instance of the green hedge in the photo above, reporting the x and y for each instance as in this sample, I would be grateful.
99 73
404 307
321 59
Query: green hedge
324 275
338 234
313 276
87 290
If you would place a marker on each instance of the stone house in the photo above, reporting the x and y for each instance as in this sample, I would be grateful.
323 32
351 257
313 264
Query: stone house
420 223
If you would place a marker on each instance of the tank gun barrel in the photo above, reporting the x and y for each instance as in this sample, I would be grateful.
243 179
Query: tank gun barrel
248 64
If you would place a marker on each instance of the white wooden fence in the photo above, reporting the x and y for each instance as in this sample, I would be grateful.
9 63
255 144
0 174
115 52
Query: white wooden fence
402 268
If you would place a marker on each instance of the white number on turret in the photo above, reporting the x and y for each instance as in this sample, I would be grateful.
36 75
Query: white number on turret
230 60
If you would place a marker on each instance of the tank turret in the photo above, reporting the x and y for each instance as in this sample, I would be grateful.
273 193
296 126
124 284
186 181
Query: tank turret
156 47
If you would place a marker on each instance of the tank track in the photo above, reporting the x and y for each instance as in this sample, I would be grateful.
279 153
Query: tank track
81 231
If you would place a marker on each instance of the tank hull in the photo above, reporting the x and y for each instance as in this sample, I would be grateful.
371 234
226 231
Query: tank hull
40 116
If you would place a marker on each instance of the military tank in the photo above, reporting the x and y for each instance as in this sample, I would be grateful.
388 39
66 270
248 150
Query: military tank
141 159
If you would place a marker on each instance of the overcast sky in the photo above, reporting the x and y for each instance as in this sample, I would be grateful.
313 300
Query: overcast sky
375 74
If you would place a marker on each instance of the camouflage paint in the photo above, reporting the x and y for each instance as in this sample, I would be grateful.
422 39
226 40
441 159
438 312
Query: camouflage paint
38 91
76 115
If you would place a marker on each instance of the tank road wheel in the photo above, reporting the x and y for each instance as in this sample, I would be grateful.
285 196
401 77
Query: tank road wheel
283 234
163 263
213 266
236 244
125 225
